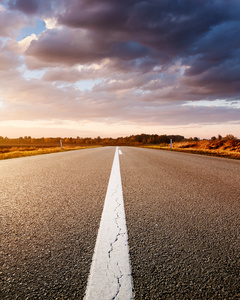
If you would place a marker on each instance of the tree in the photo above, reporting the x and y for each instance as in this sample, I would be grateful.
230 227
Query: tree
230 137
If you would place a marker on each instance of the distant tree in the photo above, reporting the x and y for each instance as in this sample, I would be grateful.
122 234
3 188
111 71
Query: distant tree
196 139
164 139
98 139
219 137
67 140
230 137
213 138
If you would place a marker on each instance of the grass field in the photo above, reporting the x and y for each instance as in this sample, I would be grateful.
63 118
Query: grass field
7 152
223 148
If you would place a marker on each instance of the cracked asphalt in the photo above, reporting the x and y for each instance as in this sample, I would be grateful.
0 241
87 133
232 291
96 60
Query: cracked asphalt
182 214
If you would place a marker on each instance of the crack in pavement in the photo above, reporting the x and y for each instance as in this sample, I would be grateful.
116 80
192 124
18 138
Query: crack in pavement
118 278
119 284
110 274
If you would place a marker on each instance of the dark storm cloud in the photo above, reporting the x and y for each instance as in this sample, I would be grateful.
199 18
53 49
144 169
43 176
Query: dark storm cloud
223 79
71 46
35 7
139 36
171 26
25 6
218 45
203 34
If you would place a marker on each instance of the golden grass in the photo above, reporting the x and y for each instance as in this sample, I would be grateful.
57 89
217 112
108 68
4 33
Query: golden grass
14 152
222 148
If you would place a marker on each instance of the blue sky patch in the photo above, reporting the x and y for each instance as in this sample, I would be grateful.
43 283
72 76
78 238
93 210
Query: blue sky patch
38 28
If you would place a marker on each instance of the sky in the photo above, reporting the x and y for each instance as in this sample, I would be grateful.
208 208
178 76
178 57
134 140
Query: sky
115 68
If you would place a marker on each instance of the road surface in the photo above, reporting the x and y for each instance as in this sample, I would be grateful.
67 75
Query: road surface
182 216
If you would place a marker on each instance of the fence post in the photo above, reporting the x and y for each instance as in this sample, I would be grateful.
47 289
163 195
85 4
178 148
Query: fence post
61 144
170 143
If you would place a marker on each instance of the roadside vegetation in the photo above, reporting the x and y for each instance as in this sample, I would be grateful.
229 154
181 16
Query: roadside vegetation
14 152
228 146
28 146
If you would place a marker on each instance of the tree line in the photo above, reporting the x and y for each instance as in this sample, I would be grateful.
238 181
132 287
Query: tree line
133 140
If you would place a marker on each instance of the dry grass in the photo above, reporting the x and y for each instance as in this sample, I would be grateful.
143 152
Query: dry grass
223 148
14 152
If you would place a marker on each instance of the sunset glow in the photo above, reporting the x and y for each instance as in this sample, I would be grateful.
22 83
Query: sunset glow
116 68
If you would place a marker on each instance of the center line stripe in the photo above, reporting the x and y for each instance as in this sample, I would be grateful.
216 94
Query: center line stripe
110 274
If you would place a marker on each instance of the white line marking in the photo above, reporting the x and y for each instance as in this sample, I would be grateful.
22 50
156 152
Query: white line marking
120 152
110 274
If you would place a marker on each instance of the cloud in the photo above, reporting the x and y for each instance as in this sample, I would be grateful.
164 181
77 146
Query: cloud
24 43
8 60
141 61
68 47
77 73
35 99
51 23
36 8
138 36
10 22
26 6
82 46
166 27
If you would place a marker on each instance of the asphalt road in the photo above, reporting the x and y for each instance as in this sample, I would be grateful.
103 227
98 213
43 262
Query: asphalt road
182 214
51 207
